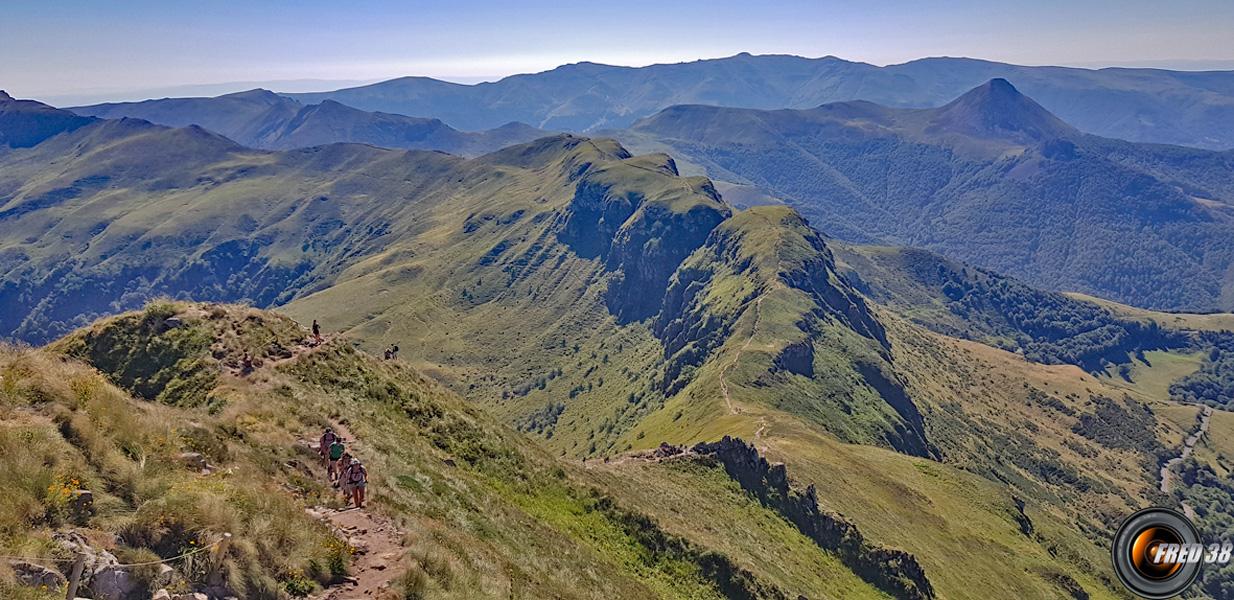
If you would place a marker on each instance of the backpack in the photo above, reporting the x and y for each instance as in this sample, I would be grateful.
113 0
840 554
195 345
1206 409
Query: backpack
356 473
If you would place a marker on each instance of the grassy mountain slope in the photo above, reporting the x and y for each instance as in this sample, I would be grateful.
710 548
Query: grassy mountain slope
602 303
990 178
486 514
263 119
1147 105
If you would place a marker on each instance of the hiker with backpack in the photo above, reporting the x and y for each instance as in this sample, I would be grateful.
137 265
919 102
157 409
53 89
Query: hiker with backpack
355 481
344 465
316 333
323 445
334 457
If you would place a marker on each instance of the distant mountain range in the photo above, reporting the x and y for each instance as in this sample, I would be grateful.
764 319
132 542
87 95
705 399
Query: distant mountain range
992 178
1142 105
263 119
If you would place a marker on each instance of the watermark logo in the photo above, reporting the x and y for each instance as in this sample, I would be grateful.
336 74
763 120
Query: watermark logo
1157 553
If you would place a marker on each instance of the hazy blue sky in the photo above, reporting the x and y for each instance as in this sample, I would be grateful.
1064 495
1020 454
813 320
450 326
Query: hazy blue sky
49 47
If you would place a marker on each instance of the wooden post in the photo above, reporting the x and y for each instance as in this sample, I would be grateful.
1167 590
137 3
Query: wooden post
224 545
220 553
75 577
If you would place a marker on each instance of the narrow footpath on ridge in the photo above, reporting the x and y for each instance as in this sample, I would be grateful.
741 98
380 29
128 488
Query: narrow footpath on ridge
376 542
1167 470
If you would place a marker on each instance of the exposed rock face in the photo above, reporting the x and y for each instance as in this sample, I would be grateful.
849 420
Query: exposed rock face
797 358
35 575
642 232
687 330
909 435
102 574
894 571
647 251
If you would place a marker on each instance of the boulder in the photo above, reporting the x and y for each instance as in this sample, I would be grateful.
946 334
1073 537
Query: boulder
194 460
113 583
81 504
165 576
192 596
161 595
35 575
75 543
102 572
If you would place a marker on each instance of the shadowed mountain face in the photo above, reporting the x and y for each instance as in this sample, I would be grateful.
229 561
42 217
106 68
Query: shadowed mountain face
25 123
263 119
1147 105
991 178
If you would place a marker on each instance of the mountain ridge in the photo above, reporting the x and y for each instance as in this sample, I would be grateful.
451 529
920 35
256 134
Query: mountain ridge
1133 104
265 120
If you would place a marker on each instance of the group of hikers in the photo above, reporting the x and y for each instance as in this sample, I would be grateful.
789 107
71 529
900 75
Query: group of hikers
344 471
390 353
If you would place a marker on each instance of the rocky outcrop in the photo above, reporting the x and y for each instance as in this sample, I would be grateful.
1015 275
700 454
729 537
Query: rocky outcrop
103 575
894 571
646 252
35 575
797 358
642 226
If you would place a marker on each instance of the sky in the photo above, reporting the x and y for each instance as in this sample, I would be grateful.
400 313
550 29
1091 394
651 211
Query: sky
111 50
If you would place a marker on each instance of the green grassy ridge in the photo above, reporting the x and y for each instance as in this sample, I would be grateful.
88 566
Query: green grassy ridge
764 286
182 212
84 433
499 516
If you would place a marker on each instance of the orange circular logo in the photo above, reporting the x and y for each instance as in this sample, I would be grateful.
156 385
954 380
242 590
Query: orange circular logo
1145 549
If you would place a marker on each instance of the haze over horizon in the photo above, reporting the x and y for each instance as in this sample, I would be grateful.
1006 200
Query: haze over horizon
86 50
